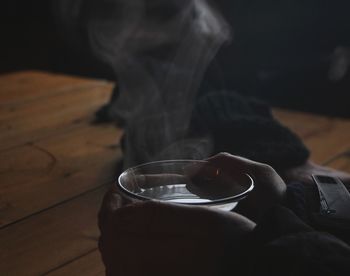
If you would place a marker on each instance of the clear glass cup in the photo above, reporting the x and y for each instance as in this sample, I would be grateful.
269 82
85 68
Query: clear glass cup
188 182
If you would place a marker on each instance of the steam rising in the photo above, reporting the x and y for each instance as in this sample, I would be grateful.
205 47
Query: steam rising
159 50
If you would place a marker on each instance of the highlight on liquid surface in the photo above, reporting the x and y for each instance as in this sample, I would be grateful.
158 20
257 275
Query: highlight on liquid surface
178 193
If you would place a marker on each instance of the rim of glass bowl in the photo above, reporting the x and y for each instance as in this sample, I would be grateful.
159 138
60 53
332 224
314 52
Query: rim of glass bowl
229 199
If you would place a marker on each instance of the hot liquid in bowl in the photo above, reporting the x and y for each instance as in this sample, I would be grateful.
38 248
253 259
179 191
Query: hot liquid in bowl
188 182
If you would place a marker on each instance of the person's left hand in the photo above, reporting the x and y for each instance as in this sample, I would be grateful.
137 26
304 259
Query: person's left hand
269 188
154 238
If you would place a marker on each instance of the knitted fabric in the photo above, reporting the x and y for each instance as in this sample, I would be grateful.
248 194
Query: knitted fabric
246 127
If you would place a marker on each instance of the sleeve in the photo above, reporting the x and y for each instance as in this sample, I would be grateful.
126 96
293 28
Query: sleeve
282 244
304 201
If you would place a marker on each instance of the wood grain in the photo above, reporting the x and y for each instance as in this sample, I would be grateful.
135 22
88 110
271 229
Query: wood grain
326 137
88 265
26 86
21 122
48 146
52 238
56 169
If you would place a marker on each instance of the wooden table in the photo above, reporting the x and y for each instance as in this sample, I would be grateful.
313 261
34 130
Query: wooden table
55 166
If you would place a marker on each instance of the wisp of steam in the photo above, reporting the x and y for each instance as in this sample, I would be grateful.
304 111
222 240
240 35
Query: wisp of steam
160 50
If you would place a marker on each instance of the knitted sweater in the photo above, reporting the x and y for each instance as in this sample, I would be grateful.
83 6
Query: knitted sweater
246 127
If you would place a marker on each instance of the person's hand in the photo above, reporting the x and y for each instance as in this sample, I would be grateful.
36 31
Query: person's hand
154 238
269 188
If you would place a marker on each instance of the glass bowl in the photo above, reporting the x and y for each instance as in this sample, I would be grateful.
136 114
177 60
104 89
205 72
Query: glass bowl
188 182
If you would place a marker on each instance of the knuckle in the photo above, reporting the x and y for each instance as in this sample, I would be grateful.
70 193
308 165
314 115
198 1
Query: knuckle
264 168
224 155
268 168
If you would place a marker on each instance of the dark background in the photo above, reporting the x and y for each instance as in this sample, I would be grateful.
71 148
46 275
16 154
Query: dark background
281 51
27 36
31 40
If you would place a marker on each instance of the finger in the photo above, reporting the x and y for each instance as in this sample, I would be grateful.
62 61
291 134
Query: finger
231 162
162 219
216 170
155 218
204 170
220 176
238 164
223 184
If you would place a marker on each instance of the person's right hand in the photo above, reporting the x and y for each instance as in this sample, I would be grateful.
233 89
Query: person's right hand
269 188
153 238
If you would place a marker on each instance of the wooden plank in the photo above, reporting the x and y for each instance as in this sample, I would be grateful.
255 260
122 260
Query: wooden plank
51 155
51 239
88 265
50 115
71 97
324 136
341 162
56 169
30 85
304 124
333 141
